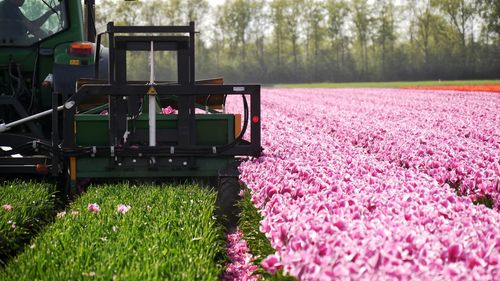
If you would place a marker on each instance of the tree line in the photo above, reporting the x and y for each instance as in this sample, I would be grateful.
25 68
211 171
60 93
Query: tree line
292 41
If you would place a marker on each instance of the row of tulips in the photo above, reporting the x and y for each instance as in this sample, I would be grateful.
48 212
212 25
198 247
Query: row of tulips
127 232
248 248
24 208
338 207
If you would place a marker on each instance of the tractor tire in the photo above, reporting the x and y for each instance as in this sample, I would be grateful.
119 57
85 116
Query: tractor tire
227 198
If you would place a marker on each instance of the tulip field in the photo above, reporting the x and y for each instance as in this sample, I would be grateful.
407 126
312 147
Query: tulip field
353 184
377 184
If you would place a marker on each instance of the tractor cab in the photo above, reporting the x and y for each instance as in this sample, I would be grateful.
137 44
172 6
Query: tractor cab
35 41
24 23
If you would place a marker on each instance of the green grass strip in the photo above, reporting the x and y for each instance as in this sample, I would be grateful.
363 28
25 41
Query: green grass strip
169 233
24 208
259 245
388 84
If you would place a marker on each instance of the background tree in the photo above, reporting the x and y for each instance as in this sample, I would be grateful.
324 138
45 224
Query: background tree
362 23
491 12
278 41
278 21
460 15
385 36
314 13
338 12
293 21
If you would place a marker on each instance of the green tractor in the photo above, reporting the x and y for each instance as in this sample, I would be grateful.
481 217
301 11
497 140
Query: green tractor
68 111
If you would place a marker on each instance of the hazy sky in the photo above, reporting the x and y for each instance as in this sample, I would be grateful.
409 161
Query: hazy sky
211 2
215 2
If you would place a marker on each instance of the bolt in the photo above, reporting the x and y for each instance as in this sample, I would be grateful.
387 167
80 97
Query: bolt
170 160
184 163
133 160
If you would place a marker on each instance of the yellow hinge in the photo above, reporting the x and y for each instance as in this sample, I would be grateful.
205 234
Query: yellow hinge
72 168
237 125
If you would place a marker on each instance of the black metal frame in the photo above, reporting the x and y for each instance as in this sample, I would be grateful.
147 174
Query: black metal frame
124 98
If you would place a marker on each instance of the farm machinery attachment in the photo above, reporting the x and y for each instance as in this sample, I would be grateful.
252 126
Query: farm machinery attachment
88 122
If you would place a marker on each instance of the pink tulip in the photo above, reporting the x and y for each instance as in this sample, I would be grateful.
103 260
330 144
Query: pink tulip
168 110
122 209
240 266
241 193
454 252
7 207
93 208
272 263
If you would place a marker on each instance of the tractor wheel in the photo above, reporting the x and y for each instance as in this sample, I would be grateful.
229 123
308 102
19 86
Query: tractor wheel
227 197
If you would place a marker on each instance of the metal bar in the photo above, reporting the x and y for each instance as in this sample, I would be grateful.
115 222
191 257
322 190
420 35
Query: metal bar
117 76
90 19
162 43
255 130
164 151
68 140
5 127
68 125
55 135
113 120
97 58
152 120
191 54
152 99
150 29
165 90
184 114
151 64
111 58
237 150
